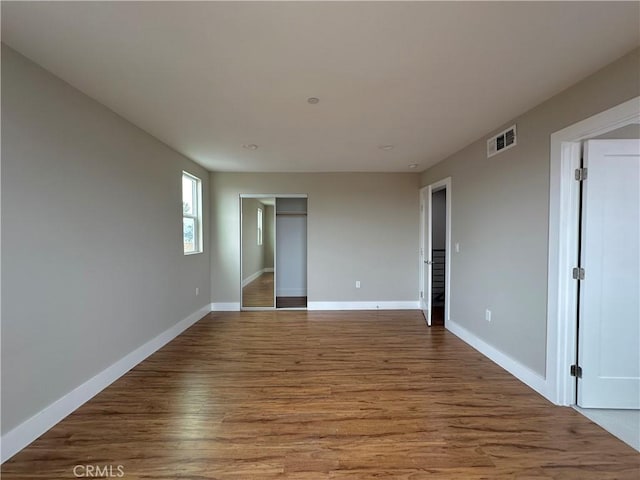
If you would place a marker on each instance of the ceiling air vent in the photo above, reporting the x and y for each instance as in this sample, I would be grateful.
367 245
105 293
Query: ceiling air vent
502 141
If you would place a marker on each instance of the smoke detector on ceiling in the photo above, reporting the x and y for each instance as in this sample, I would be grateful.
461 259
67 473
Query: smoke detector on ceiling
502 141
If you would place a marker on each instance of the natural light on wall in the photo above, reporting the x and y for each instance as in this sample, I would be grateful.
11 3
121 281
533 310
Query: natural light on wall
191 213
260 224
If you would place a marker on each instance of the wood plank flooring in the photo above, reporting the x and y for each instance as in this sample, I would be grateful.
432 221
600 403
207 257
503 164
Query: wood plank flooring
291 302
324 395
259 293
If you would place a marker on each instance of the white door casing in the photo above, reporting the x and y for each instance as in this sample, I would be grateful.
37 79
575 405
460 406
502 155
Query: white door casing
562 300
424 222
427 263
426 248
609 319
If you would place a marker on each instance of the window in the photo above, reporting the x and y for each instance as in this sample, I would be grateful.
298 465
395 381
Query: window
260 225
191 213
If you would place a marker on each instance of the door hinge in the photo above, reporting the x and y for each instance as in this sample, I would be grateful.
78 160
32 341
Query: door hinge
421 294
581 174
578 273
576 371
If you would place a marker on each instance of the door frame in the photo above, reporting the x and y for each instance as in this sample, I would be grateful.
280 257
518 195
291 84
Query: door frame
257 196
275 196
426 192
564 211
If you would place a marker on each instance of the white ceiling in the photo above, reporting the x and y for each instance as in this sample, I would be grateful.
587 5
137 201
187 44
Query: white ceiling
427 77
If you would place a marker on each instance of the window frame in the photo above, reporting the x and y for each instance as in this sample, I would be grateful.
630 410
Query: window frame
196 215
260 232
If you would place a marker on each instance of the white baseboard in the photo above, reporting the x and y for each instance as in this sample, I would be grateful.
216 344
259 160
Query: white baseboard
291 292
252 277
515 368
29 430
225 307
266 270
363 305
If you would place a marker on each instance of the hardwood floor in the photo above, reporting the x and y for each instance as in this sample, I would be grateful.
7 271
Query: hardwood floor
291 302
324 395
437 316
259 293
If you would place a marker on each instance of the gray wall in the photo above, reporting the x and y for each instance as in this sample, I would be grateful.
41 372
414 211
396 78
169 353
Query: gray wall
252 253
628 132
500 216
269 236
291 248
92 261
360 227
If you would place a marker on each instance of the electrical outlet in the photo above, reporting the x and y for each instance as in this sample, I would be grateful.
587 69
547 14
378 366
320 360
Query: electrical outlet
487 315
357 283
197 291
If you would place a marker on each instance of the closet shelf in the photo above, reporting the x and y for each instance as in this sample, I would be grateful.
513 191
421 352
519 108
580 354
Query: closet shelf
291 213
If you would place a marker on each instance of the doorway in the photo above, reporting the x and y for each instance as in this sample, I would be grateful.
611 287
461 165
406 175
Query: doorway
258 252
608 276
564 215
291 252
273 252
435 251
607 367
568 341
438 254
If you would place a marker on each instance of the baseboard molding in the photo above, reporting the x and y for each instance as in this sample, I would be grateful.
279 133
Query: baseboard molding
515 368
225 307
25 433
235 306
291 292
252 277
363 305
267 270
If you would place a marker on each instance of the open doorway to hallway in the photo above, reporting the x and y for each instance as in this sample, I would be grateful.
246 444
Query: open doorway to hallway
438 254
592 344
435 251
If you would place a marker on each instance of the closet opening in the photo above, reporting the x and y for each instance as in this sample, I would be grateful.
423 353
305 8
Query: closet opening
273 251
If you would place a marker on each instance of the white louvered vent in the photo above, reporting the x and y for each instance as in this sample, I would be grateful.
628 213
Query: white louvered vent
502 141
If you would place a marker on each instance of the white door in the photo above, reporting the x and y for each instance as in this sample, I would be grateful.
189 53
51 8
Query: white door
425 250
609 319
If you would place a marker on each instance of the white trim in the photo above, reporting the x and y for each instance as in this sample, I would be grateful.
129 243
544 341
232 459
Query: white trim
275 252
267 270
225 307
275 195
400 305
240 256
29 430
422 300
563 249
198 216
445 184
253 277
515 368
